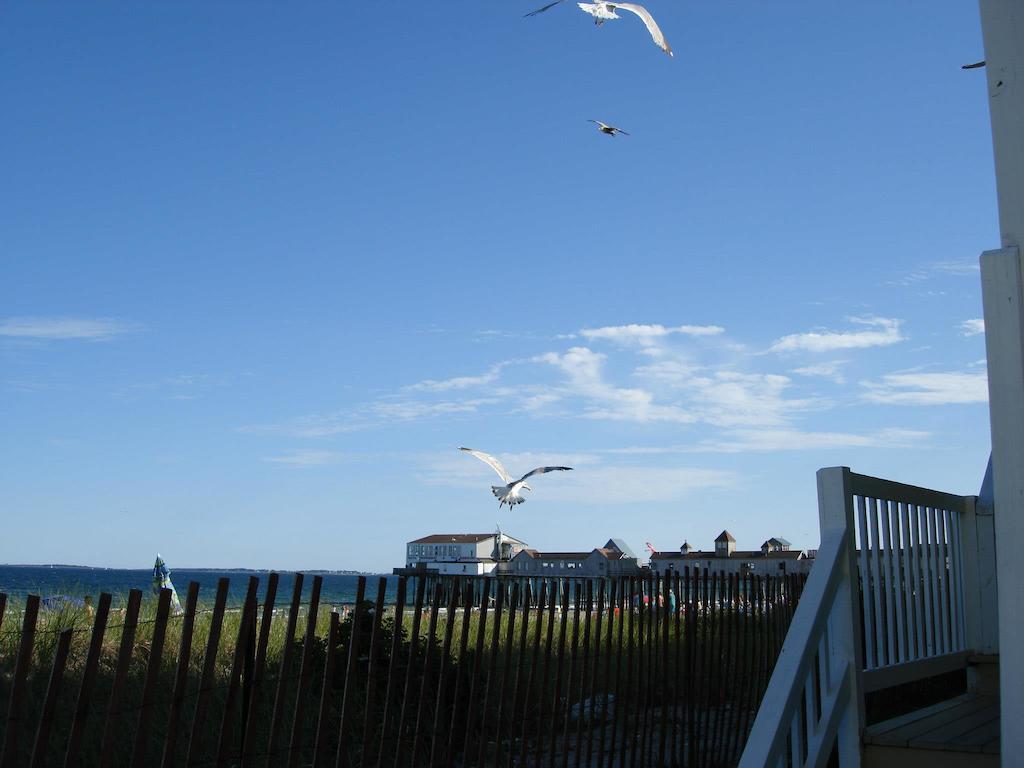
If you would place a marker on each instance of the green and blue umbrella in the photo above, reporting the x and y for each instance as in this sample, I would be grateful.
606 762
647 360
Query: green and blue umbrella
162 580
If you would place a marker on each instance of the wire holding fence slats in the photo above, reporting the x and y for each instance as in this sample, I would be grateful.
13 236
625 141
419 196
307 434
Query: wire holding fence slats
655 670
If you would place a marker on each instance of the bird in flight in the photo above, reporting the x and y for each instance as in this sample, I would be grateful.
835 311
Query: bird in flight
602 11
509 493
611 130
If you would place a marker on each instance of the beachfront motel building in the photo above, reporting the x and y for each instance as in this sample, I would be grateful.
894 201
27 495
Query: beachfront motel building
459 554
776 557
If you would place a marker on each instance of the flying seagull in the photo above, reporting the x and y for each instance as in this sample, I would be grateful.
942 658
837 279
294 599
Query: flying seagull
611 130
602 11
545 8
509 493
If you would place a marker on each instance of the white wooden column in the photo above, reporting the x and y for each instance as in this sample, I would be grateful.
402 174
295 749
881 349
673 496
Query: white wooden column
835 512
1002 24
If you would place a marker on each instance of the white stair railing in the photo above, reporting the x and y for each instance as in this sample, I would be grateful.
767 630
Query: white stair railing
904 561
813 699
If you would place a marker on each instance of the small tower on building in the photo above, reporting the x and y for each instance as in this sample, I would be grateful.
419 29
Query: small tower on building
725 544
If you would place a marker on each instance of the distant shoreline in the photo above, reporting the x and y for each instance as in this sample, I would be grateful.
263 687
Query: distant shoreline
314 571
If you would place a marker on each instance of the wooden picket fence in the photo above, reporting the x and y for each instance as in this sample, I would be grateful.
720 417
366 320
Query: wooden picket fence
637 671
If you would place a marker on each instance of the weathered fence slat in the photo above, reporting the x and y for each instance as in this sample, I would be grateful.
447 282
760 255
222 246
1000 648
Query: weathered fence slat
666 607
467 612
621 696
180 675
156 652
743 694
573 650
284 673
242 649
532 673
586 678
349 691
491 668
477 656
524 628
369 719
112 728
509 642
322 721
305 673
417 615
449 627
435 606
60 659
556 696
254 686
643 699
396 644
549 635
209 665
92 661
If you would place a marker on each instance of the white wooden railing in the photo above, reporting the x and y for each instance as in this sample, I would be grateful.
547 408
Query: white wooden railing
895 595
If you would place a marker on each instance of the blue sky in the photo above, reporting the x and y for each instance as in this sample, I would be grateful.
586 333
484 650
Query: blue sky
263 269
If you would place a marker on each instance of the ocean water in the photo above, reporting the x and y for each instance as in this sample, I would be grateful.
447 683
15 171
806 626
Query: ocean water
17 581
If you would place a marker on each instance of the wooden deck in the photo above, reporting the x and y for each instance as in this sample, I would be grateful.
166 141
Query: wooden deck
959 732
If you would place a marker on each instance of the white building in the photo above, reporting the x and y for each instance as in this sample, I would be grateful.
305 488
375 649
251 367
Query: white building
459 554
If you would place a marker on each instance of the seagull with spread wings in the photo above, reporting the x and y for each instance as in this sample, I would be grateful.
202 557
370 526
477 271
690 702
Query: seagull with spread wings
509 493
610 130
602 11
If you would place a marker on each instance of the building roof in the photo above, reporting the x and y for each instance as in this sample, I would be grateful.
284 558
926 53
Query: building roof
725 536
790 554
780 540
454 538
620 545
562 555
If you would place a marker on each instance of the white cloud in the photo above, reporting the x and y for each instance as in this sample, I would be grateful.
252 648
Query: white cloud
409 410
667 372
460 382
62 328
366 417
300 459
634 485
729 399
928 389
964 267
880 332
744 440
972 327
952 267
647 334
824 370
583 368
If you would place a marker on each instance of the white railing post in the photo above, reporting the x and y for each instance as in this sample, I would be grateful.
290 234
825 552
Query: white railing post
1002 26
835 511
979 578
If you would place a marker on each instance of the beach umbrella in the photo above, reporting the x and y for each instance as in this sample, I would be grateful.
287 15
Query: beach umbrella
162 580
